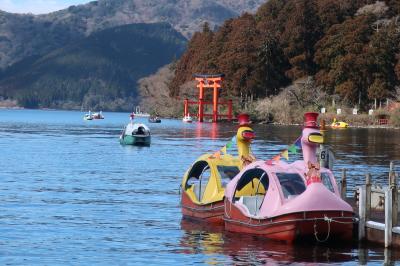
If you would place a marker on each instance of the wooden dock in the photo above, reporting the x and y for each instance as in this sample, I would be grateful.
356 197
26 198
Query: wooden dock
378 210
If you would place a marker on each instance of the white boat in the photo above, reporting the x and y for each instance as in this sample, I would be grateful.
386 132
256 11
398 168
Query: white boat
88 116
139 113
136 134
98 115
187 119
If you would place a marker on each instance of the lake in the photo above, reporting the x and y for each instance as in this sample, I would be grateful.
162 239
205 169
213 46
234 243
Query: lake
71 194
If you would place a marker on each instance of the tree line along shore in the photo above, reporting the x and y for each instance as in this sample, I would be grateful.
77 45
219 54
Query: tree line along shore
289 57
294 56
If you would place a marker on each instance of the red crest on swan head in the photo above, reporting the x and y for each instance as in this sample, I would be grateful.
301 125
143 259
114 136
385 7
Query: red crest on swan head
310 120
244 120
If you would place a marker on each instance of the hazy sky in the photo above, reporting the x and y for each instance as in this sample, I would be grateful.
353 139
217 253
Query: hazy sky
37 6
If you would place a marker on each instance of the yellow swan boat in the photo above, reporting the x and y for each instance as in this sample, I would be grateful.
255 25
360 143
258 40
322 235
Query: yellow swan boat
203 185
339 124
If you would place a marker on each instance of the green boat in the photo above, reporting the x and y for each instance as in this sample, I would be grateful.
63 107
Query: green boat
135 134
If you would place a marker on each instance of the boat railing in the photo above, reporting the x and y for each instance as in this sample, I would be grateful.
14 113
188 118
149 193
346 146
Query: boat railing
378 210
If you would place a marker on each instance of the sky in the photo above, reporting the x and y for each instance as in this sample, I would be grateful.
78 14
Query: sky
37 6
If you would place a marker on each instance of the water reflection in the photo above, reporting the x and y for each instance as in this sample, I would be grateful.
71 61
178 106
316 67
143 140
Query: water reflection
358 150
201 238
68 185
207 130
242 249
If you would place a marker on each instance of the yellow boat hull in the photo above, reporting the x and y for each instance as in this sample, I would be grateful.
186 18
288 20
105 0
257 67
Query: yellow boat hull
339 125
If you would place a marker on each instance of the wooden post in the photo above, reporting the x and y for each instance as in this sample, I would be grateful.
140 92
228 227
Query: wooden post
186 108
201 101
323 126
388 217
362 255
361 212
395 197
215 103
388 256
343 185
367 196
230 113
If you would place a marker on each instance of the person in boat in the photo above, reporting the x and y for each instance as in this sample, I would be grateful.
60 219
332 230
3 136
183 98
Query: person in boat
140 131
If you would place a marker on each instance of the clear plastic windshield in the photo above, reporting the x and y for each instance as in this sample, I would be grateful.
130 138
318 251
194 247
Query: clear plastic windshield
292 184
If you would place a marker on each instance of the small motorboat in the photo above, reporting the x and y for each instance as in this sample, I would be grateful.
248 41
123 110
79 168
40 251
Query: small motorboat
339 124
139 113
187 119
135 134
88 116
98 115
154 119
289 202
203 185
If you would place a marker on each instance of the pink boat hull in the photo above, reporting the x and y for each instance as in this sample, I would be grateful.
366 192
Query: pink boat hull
319 225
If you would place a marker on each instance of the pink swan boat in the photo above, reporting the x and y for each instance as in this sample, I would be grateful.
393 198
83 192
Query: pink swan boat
292 201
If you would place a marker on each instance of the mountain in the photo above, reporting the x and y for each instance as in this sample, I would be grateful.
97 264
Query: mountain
99 71
22 36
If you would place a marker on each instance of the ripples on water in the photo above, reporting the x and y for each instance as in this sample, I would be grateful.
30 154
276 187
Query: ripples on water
69 193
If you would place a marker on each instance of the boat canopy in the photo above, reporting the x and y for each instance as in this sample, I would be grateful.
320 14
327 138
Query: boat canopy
196 172
133 128
270 187
253 181
206 179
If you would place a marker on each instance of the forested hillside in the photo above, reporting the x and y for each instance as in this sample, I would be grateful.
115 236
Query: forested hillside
98 72
350 48
26 35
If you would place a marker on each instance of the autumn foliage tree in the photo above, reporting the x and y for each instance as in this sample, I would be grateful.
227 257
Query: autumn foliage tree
350 47
254 64
341 58
196 59
238 57
397 67
381 54
273 65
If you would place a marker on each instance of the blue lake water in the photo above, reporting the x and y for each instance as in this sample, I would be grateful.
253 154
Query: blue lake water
71 194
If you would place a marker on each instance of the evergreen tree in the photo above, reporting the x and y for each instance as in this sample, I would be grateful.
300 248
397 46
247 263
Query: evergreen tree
342 61
272 64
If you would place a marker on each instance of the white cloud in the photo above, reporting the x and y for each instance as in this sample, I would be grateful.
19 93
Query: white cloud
36 6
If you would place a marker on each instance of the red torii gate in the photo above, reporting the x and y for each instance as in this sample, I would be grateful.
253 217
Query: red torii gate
209 82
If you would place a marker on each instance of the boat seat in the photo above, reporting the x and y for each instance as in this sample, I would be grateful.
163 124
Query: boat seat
253 203
199 189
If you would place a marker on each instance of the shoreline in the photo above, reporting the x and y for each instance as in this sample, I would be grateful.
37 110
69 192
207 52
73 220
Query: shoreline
255 122
330 128
328 125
